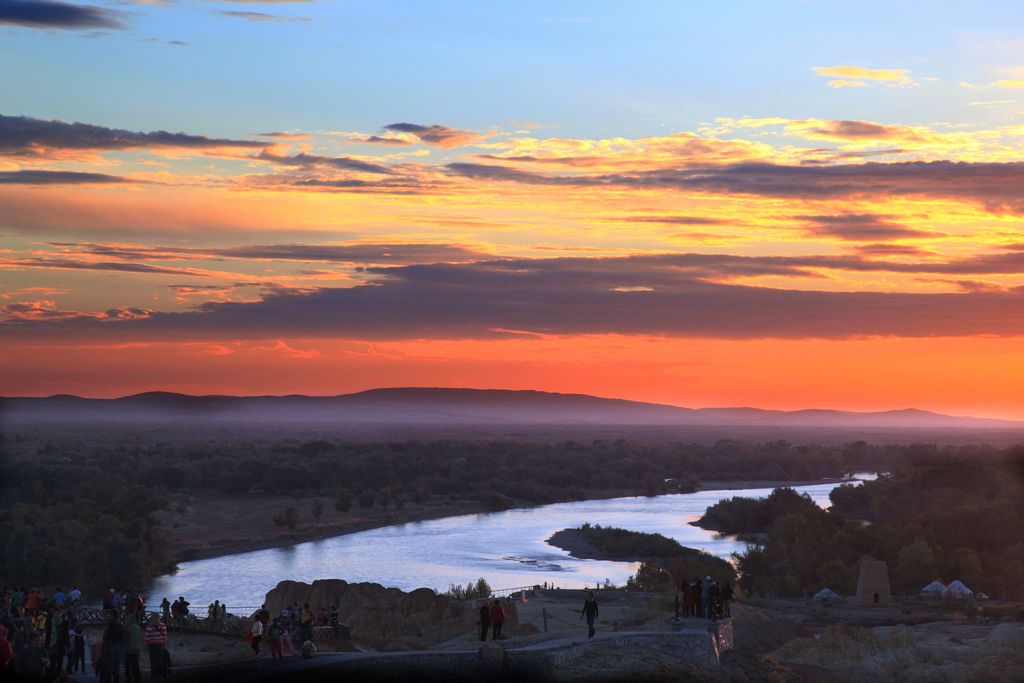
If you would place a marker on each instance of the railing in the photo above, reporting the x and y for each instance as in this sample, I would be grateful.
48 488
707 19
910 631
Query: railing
507 592
231 625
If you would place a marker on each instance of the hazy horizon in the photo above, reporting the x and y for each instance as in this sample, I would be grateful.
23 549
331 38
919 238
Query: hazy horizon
459 407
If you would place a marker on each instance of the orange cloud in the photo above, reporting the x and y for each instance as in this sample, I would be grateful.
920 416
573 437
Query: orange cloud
859 74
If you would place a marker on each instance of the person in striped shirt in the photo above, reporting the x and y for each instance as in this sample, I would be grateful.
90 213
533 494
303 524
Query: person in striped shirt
156 643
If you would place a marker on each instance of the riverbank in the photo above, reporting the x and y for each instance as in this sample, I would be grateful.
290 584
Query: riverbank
206 526
742 484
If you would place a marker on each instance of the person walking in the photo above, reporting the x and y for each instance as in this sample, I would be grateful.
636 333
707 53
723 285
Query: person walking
257 634
497 619
590 611
485 620
156 644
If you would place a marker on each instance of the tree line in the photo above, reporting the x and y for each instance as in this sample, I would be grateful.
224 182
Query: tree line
940 514
74 508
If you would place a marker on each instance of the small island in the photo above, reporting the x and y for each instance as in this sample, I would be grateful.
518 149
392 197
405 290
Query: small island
596 542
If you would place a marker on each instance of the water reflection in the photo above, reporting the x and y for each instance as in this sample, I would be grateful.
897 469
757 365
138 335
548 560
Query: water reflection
507 548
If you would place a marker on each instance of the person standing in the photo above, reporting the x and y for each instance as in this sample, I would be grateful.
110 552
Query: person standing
74 597
257 635
63 640
726 599
707 607
156 644
165 607
112 650
274 636
590 611
287 624
76 654
31 603
485 621
132 650
497 619
335 621
33 660
6 655
305 624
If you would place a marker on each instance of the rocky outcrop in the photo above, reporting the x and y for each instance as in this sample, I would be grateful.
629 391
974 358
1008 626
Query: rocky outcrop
387 617
945 651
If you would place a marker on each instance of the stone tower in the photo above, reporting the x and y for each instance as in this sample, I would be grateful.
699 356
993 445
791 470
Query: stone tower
873 584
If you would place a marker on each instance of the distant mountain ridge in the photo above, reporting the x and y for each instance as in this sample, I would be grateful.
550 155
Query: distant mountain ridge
425 405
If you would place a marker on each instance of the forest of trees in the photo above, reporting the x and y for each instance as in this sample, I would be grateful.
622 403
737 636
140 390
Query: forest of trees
940 515
77 508
666 562
748 517
623 544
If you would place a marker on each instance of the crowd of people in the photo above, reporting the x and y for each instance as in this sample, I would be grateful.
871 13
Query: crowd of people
43 637
40 633
293 624
704 598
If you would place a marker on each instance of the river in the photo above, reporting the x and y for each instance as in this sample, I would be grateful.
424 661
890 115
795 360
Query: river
506 548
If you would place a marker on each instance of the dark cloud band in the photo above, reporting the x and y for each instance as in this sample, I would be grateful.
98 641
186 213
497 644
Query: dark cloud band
26 136
51 14
570 296
35 177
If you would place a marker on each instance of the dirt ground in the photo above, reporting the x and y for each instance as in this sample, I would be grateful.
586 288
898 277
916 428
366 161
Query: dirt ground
210 525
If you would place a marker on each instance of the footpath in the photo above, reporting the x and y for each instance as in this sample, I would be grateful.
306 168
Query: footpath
692 644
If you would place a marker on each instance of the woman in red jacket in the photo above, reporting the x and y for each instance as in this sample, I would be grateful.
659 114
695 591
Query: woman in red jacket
497 619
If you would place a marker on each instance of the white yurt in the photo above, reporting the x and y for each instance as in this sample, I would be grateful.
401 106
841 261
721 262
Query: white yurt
826 596
934 590
958 591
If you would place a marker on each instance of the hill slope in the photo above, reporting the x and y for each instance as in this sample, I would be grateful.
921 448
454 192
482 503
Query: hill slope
447 406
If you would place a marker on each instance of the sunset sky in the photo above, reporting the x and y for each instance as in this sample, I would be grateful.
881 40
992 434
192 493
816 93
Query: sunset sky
784 205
